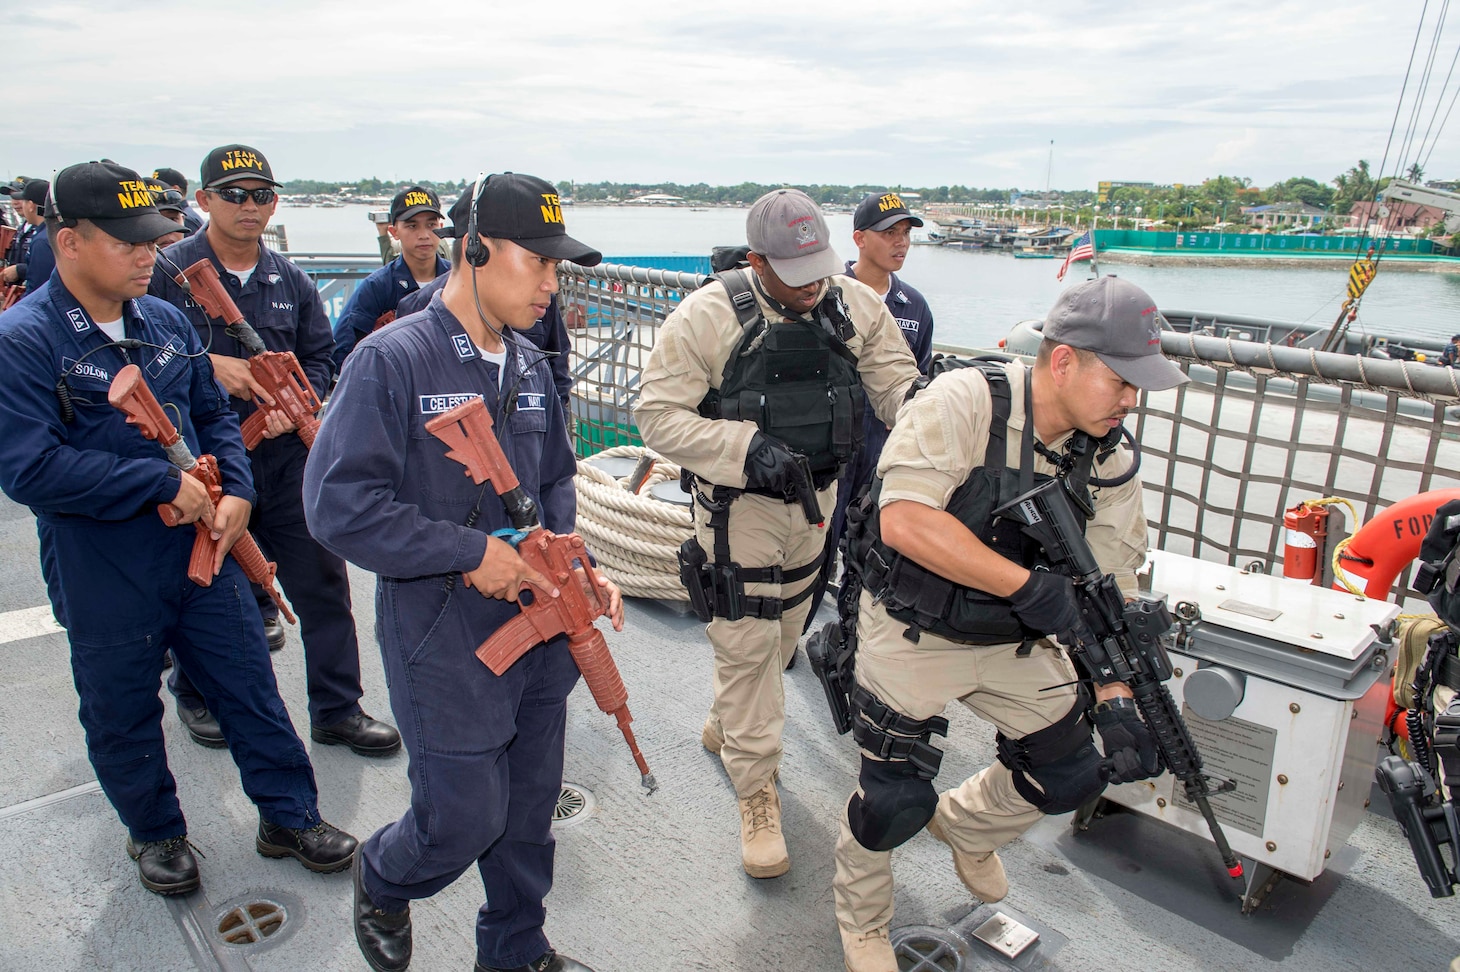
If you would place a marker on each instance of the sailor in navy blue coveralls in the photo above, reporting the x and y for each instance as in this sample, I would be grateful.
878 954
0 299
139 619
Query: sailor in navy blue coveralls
469 733
117 575
486 751
415 215
377 294
282 304
284 307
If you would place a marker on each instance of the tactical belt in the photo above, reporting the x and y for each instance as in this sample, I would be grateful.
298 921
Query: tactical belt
889 735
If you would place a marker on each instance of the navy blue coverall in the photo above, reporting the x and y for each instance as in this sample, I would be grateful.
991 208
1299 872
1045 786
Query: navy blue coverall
380 292
486 752
19 253
915 321
549 333
41 262
117 576
282 304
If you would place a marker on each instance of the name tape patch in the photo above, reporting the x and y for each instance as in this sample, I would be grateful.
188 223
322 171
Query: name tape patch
445 402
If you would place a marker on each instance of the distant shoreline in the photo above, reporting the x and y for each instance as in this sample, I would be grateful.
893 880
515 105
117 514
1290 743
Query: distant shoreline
1160 258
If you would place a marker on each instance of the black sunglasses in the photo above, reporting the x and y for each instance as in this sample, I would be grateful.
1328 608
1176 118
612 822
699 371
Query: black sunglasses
166 196
235 195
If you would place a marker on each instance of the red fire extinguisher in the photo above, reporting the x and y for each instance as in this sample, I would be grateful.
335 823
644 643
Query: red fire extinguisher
1306 534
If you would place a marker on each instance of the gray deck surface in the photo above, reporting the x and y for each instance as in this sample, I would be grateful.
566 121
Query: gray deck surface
643 882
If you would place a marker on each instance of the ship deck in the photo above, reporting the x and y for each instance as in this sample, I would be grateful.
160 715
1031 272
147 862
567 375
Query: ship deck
643 882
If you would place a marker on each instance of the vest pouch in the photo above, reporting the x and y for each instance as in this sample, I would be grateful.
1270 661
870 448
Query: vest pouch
847 405
799 418
795 353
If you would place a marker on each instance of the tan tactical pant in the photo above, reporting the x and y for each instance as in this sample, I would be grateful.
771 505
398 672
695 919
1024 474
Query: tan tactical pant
751 654
985 811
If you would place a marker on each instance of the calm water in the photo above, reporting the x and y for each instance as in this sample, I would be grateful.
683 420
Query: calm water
977 296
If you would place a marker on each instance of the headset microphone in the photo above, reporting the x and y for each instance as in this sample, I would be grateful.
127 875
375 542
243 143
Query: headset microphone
475 253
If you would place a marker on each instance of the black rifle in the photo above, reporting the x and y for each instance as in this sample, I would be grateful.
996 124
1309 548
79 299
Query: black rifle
1121 642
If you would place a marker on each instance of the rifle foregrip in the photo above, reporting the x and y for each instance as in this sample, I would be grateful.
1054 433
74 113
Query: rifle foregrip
307 430
590 652
1173 738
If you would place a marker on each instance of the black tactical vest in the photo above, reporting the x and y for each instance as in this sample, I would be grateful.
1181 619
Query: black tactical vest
929 602
796 380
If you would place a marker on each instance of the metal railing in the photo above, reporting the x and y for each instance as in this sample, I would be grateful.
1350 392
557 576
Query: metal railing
614 312
1257 430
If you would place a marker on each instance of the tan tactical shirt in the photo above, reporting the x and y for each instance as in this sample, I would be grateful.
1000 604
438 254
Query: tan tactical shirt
940 437
689 359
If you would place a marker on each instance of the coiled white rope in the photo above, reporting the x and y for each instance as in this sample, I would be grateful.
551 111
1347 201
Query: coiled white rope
635 537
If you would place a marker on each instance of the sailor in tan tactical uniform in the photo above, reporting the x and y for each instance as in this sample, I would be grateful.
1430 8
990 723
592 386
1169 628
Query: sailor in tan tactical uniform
756 386
951 609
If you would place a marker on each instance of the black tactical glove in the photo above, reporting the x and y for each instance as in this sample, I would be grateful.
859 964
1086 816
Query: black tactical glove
770 465
1129 746
1046 603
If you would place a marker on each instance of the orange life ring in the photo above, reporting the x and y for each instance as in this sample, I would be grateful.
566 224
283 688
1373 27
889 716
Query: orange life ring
1385 545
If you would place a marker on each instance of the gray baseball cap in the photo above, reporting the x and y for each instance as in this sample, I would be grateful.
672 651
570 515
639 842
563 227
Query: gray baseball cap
1120 323
786 227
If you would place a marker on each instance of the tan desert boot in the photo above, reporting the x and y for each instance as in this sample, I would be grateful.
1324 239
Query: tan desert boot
712 737
982 876
868 951
762 848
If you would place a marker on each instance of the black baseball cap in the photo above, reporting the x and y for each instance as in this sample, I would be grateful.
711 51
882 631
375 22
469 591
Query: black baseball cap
33 191
165 196
525 210
412 200
172 177
1120 323
881 210
13 187
234 163
111 196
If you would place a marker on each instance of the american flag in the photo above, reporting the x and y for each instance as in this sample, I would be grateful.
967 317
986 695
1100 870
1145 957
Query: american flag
1082 249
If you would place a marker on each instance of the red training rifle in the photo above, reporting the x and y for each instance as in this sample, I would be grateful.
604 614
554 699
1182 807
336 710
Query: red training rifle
278 371
130 395
467 430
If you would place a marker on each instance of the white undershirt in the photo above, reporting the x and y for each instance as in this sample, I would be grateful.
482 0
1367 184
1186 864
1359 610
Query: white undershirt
498 358
243 275
113 329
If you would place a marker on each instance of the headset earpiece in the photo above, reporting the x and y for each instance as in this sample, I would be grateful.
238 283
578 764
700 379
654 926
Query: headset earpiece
476 253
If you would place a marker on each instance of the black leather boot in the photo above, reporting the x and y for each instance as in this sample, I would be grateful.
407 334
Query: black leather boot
364 735
274 633
323 848
201 726
384 938
549 961
165 866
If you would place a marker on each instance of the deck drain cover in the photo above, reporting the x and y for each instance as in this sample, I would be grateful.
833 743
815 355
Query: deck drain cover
575 804
257 920
923 948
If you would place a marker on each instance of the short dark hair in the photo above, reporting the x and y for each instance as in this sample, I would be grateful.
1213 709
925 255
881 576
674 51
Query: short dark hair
1047 346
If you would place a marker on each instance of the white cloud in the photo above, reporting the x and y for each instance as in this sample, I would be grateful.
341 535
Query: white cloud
917 93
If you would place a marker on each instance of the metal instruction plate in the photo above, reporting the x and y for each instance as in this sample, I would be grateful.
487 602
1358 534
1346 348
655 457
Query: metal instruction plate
1005 935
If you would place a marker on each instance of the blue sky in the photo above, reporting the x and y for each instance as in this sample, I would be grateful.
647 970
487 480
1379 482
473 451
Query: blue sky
914 93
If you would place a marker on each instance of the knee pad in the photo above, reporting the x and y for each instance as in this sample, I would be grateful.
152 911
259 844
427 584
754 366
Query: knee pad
1060 784
893 804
